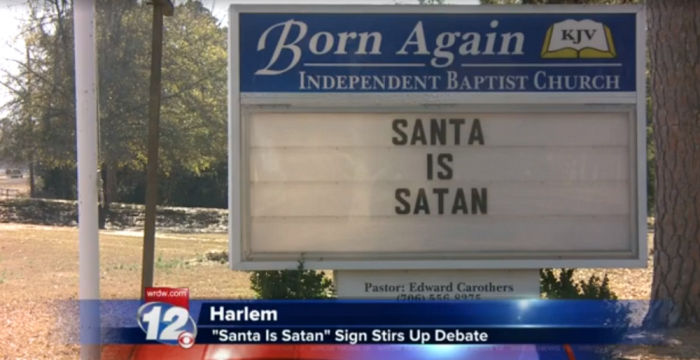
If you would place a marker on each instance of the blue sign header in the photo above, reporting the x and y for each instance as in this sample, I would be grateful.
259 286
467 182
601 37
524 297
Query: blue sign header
407 53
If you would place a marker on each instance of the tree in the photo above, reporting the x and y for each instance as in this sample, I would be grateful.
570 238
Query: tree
193 119
674 29
35 131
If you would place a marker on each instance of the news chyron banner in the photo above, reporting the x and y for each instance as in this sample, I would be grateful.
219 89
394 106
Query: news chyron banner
167 324
168 317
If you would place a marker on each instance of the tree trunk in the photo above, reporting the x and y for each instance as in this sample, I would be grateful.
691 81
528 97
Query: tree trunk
32 181
111 184
109 189
674 28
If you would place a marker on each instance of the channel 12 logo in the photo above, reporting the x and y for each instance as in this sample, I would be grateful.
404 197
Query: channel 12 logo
165 317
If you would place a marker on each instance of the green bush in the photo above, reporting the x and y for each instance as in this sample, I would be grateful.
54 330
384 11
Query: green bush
292 284
565 287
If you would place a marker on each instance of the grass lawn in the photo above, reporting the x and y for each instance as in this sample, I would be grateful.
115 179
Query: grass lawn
39 265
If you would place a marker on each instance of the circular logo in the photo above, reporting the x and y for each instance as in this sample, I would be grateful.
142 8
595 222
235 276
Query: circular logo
185 340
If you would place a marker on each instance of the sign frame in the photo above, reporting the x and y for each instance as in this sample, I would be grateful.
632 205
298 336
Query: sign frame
241 105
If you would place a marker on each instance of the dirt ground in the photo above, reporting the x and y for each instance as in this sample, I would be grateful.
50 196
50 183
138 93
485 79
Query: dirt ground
39 265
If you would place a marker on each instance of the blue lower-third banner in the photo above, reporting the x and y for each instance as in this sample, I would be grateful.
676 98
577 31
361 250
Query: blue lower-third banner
180 322
385 335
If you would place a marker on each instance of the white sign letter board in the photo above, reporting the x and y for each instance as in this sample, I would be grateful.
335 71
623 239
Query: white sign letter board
387 150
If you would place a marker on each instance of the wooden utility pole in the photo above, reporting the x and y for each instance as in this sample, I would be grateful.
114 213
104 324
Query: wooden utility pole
160 8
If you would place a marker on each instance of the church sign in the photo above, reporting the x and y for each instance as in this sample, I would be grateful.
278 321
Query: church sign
444 137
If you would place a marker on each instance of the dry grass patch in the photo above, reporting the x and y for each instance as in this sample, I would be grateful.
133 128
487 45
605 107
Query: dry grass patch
39 265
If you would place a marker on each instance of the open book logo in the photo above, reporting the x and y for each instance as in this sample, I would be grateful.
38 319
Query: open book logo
585 39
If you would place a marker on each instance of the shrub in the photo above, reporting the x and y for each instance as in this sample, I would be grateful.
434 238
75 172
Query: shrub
566 288
292 284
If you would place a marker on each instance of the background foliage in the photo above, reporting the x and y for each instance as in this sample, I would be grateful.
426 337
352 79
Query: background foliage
40 130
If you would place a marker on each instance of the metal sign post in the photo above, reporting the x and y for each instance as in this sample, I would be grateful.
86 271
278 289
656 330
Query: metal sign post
86 134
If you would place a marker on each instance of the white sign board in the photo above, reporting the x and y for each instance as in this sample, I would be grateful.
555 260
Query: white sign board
439 285
506 157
